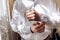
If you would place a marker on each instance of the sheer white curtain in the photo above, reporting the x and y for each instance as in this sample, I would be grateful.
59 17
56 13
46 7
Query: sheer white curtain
4 18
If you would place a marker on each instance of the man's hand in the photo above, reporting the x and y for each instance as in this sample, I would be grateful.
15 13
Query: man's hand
38 27
32 15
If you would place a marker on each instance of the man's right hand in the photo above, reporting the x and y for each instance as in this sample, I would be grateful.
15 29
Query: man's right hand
32 15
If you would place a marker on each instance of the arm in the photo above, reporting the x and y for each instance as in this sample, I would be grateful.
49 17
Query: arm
47 15
17 24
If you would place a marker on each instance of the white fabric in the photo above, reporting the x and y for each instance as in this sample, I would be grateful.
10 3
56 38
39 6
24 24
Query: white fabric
21 25
0 35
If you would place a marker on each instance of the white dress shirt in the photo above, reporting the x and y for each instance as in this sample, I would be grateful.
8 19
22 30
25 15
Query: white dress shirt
21 25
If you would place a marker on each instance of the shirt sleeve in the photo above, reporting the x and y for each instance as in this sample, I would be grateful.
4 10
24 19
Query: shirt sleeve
51 18
17 25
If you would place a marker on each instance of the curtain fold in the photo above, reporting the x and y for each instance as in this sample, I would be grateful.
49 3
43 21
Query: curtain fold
4 19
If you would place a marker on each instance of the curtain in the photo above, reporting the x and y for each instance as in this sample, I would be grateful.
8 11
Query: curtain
4 19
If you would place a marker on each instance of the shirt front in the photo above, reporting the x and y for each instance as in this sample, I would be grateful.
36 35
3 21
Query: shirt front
20 23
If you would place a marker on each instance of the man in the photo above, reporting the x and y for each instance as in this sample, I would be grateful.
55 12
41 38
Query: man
32 20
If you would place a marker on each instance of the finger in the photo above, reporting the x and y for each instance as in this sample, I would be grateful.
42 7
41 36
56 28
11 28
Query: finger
41 28
35 24
32 15
34 29
29 13
37 27
40 31
40 25
31 19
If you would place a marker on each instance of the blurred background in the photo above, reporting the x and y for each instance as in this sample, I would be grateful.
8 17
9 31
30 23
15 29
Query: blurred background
6 32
